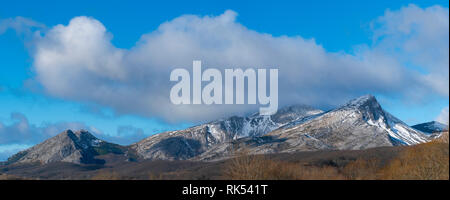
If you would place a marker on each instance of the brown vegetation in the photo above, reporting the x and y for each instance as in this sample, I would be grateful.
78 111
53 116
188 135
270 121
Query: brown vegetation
429 161
10 177
106 175
258 167
361 170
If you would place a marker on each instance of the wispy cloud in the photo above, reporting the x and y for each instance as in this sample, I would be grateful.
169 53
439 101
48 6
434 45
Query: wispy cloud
21 25
443 116
418 37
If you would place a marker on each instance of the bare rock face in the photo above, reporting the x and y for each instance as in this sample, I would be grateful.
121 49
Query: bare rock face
74 147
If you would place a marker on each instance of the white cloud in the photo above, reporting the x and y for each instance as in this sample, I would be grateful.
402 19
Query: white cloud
78 62
443 116
420 38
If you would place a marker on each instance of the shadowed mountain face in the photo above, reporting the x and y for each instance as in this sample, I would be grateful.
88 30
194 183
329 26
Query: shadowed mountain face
431 127
359 124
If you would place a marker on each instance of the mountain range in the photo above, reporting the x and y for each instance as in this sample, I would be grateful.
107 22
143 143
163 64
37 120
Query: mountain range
359 124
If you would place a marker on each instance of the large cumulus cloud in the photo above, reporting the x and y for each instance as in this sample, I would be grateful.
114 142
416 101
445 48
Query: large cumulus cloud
78 62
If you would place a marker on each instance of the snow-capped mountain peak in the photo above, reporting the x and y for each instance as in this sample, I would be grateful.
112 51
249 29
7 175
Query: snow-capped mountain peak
367 105
360 101
372 112
360 123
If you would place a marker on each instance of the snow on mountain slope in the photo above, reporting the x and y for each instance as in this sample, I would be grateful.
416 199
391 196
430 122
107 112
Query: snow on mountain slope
399 131
359 124
188 143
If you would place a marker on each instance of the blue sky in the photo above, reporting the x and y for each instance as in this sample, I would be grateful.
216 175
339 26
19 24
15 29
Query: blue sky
339 28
